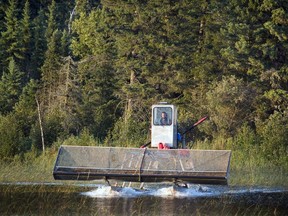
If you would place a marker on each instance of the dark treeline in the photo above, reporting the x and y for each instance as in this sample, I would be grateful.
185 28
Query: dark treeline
96 67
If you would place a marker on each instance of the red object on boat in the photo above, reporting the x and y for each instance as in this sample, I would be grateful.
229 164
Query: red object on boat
163 146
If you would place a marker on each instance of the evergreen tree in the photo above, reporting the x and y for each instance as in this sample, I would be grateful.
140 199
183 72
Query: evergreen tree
198 37
51 65
38 45
25 32
96 73
162 51
65 43
11 136
10 37
230 104
256 49
25 108
86 7
25 111
2 15
274 52
10 87
50 69
52 25
69 95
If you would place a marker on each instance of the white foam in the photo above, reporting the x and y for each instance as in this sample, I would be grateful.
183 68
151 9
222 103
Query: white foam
131 192
108 192
179 192
166 192
103 191
169 191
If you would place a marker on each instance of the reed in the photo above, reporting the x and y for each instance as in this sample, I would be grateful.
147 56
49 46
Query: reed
36 169
249 164
242 171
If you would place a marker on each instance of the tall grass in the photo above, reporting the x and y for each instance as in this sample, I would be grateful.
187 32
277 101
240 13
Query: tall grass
30 168
249 164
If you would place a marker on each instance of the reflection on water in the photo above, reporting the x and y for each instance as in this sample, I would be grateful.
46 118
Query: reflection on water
152 200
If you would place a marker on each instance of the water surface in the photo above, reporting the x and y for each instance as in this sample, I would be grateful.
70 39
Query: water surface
153 199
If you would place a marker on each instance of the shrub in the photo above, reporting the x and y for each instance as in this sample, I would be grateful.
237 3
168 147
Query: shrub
273 134
128 134
10 137
84 139
229 103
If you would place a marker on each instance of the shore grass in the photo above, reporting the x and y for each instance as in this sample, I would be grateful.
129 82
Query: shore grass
259 176
39 169
34 170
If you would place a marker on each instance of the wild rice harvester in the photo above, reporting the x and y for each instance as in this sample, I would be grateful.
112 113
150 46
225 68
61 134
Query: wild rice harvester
165 161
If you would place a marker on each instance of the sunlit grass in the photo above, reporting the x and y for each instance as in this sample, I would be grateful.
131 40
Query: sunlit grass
248 165
244 170
37 170
259 176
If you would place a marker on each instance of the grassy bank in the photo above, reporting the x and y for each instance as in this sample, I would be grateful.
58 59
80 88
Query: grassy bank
39 169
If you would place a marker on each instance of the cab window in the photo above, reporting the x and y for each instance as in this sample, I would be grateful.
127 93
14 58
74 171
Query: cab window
162 116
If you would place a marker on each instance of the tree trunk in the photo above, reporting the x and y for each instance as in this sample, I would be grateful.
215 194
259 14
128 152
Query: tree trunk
41 127
128 111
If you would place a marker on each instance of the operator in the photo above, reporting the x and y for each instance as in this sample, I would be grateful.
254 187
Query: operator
164 119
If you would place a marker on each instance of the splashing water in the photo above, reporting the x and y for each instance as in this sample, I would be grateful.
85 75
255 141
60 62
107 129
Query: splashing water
171 191
166 192
108 192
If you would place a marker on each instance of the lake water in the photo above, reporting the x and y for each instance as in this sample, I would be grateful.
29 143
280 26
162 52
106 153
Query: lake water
153 199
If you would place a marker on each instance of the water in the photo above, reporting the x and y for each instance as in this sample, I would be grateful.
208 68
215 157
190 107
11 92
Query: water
153 199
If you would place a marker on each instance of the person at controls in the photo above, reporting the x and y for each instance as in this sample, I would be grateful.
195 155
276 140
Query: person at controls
164 120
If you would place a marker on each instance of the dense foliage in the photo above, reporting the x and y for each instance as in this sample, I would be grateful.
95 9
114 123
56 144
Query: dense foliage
95 67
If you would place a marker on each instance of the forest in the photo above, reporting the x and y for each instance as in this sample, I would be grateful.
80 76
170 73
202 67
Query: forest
87 73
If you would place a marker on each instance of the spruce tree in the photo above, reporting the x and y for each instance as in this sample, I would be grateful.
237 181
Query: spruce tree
51 64
65 43
25 108
10 36
25 32
94 46
38 45
50 69
2 15
256 49
274 52
10 87
51 25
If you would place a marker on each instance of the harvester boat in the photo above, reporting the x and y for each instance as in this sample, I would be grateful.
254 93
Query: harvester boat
164 161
